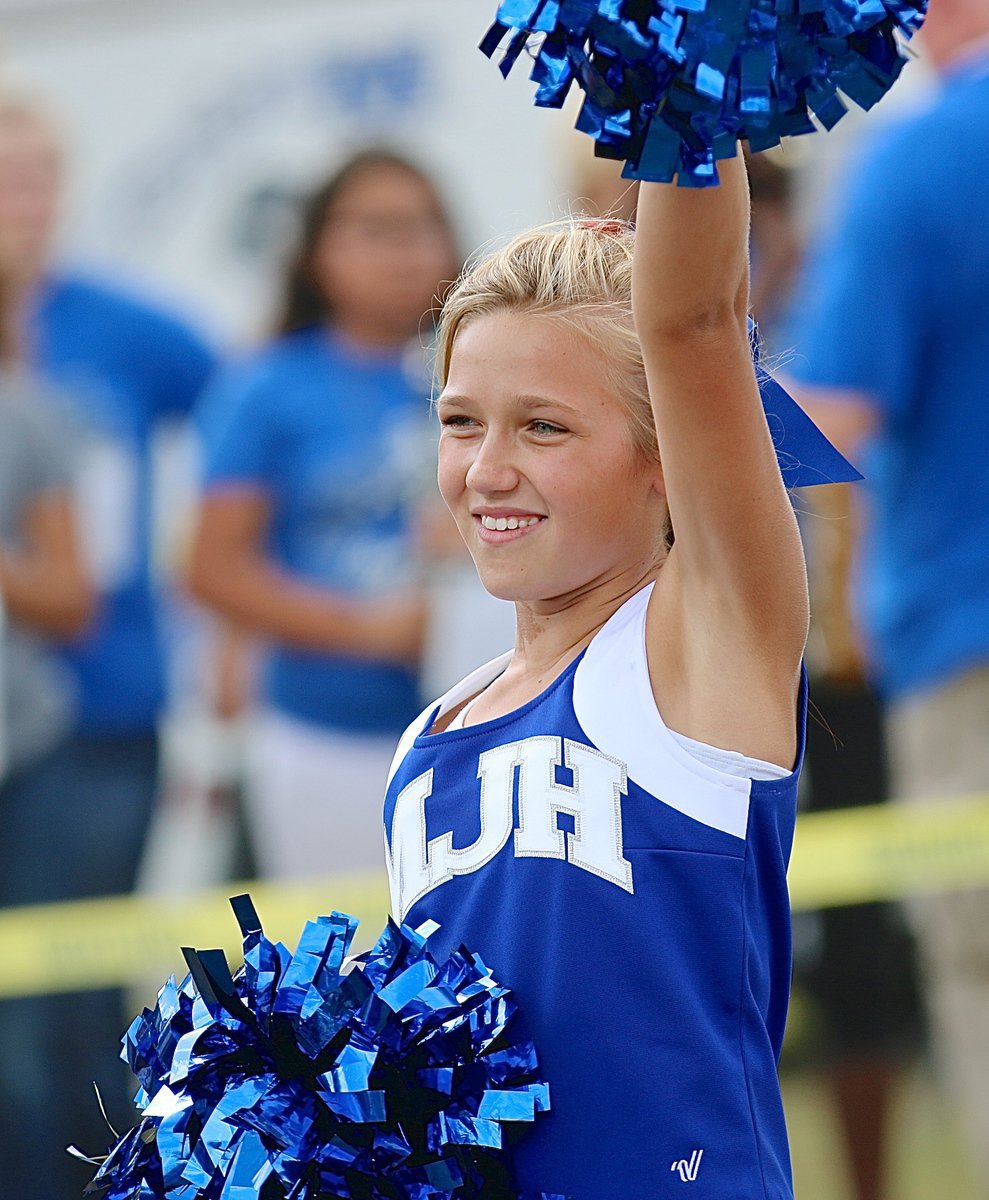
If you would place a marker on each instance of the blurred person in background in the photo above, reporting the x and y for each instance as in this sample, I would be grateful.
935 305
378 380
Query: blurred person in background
318 454
774 244
120 369
891 345
44 599
855 963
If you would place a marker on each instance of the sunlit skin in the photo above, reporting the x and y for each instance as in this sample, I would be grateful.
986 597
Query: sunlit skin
952 30
534 426
42 578
532 429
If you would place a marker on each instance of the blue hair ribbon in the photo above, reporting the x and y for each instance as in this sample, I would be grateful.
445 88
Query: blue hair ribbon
806 457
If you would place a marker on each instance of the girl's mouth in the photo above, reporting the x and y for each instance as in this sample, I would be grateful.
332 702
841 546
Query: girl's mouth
496 530
502 523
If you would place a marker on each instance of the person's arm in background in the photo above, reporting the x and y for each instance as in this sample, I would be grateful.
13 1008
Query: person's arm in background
42 582
230 572
227 568
230 568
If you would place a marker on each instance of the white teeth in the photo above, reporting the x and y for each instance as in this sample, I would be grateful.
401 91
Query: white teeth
502 523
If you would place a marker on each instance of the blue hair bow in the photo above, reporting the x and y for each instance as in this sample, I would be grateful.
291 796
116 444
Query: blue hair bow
805 455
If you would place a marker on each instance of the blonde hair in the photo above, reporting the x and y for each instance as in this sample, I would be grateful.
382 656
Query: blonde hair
579 271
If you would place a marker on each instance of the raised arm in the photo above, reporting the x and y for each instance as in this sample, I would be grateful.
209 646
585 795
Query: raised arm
737 550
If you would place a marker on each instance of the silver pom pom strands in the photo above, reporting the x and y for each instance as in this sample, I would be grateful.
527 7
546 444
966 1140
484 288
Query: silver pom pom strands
670 86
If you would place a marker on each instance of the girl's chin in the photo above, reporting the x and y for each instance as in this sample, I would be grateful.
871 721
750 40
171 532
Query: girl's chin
501 589
515 591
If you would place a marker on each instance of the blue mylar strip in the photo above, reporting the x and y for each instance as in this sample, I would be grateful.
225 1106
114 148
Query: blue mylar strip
687 79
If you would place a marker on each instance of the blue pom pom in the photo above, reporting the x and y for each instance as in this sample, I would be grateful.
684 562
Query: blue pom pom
400 1077
671 86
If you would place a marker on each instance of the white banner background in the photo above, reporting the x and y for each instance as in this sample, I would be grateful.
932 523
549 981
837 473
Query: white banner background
191 126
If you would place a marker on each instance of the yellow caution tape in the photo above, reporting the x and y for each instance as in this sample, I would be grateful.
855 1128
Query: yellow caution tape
119 941
842 857
889 851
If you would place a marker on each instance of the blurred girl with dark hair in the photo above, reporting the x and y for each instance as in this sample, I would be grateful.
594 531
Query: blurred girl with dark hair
316 452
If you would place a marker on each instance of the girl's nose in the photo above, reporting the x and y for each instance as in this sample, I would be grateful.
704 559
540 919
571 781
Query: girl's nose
492 470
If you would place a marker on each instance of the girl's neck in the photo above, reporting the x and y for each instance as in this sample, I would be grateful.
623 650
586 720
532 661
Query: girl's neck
550 635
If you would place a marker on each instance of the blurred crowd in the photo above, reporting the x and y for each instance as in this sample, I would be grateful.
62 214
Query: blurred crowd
317 594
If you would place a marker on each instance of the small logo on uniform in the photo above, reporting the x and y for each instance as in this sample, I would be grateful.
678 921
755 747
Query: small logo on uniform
688 1168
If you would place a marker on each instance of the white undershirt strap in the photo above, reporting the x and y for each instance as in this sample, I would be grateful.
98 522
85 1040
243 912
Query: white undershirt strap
461 717
732 762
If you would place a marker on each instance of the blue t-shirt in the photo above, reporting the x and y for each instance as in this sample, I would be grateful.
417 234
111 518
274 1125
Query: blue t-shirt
893 304
124 368
634 899
339 440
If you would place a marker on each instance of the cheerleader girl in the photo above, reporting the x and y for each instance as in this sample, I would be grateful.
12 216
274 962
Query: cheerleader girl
605 813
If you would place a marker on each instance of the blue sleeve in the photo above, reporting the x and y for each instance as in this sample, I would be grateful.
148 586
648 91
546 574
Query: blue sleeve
236 421
858 307
177 364
153 360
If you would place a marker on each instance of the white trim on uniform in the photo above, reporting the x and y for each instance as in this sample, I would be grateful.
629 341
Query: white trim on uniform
469 686
614 703
615 706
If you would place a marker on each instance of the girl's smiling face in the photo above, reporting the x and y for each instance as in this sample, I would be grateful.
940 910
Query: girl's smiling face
537 461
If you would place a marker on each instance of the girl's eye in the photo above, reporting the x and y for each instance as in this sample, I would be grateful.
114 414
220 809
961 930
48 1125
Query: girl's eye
457 421
546 428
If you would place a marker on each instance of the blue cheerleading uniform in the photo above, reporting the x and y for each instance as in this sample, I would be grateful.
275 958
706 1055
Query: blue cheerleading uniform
634 898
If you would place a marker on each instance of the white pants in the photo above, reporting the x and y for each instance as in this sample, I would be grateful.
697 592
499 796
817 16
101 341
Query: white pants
314 797
940 748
